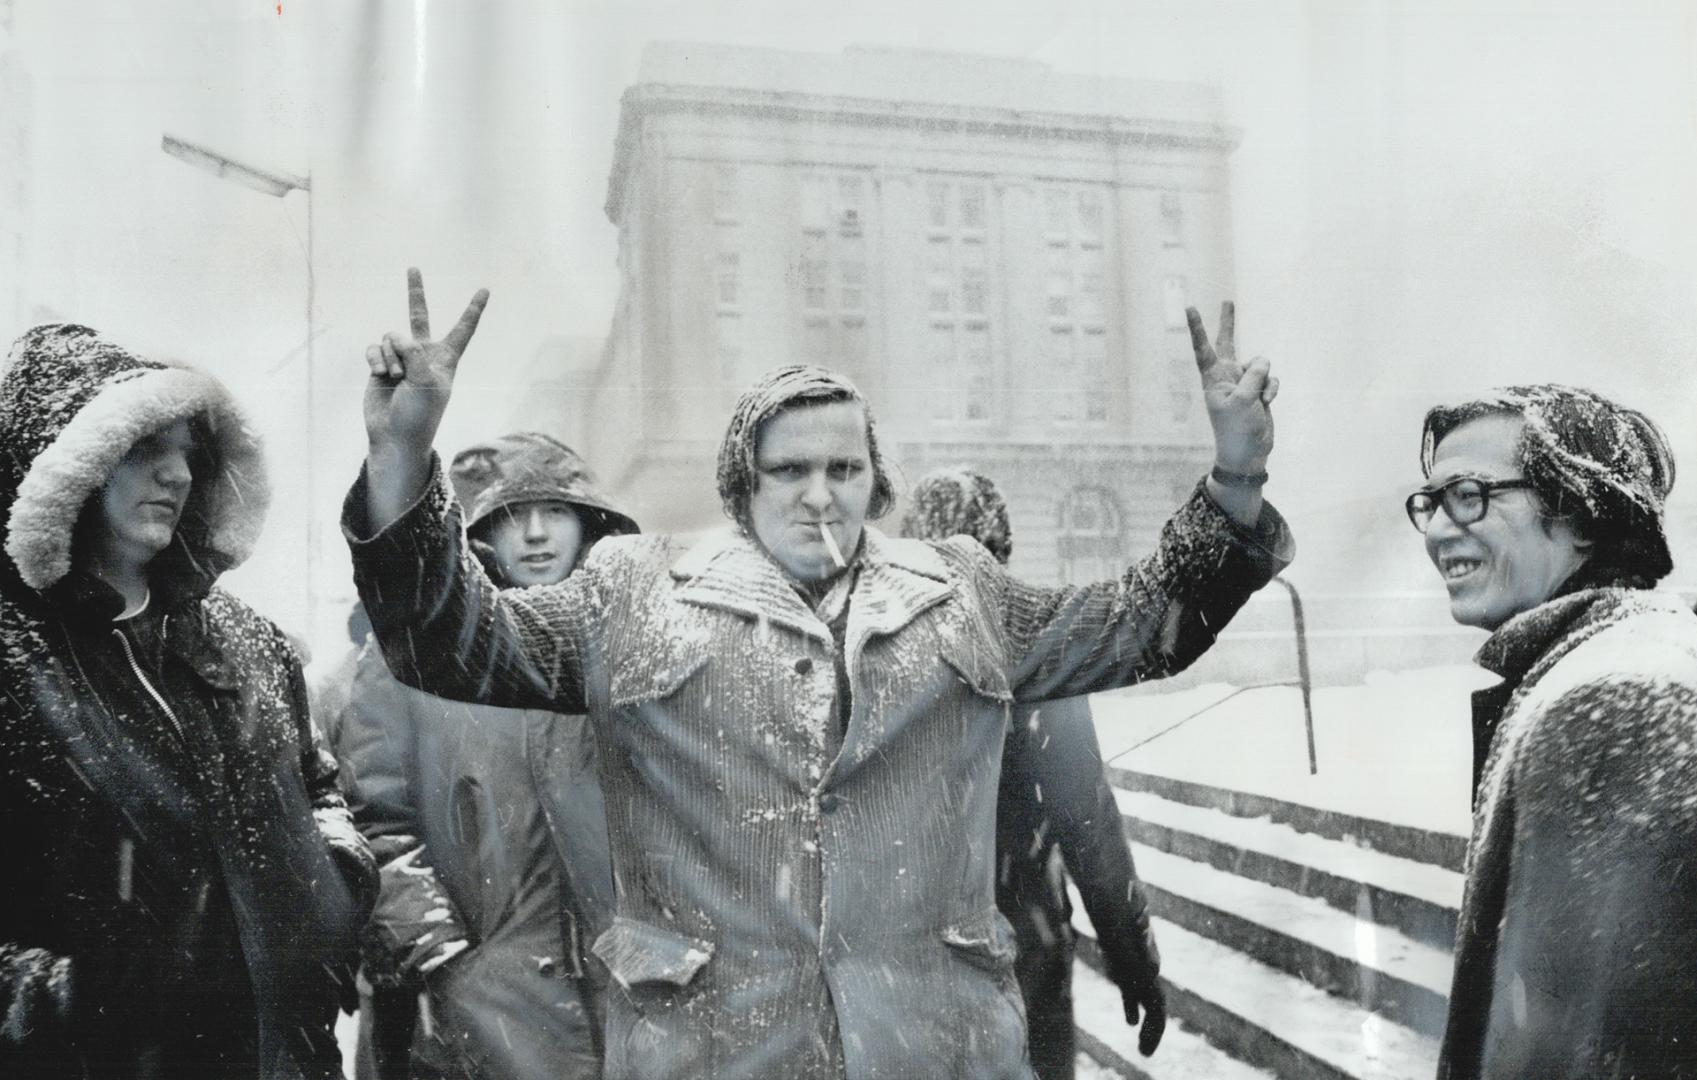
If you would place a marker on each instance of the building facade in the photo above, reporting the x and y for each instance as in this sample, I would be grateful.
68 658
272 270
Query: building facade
998 254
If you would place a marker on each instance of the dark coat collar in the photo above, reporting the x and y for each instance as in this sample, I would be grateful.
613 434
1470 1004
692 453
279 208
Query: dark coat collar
1537 638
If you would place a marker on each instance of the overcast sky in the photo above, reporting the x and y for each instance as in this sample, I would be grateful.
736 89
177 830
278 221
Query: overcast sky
1428 198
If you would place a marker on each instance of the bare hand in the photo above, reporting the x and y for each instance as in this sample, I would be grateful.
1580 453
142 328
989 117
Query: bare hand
1239 397
411 381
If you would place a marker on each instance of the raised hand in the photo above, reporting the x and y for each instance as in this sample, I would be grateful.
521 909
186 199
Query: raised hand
405 397
411 381
1239 396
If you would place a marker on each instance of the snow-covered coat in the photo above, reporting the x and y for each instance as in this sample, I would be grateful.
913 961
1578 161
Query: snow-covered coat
496 815
127 842
1054 795
490 828
790 903
1576 950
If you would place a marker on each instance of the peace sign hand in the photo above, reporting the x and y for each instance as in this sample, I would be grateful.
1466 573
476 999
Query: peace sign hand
1239 397
411 381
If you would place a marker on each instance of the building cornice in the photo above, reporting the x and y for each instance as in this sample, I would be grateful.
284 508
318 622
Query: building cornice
658 99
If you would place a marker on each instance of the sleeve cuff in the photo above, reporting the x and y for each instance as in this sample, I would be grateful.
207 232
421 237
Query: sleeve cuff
431 505
1271 539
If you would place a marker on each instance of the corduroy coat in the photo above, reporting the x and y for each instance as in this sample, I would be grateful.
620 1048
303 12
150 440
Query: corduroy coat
791 904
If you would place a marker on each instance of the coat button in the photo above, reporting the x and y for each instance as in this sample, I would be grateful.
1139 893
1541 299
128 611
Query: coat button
829 802
804 666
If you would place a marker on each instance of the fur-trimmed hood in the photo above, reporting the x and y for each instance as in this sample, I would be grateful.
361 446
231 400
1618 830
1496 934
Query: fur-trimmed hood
71 405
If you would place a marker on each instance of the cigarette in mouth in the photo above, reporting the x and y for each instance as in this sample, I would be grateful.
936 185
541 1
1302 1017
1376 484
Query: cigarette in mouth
831 546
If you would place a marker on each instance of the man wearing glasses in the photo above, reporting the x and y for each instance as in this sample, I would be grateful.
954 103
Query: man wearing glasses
1576 948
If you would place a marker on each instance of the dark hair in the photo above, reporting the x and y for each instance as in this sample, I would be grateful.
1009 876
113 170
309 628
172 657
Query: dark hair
797 386
1603 468
959 501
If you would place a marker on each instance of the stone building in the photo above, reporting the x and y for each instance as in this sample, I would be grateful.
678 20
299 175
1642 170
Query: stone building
999 254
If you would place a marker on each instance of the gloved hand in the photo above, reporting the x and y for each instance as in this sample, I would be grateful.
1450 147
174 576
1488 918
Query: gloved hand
35 991
1147 994
414 929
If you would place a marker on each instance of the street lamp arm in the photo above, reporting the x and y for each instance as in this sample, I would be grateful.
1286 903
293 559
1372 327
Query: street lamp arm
226 168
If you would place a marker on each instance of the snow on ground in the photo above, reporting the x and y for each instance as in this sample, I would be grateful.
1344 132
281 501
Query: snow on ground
1397 748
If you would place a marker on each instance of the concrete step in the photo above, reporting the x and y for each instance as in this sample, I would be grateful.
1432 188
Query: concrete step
1275 1021
1349 956
1417 845
1416 898
1104 1037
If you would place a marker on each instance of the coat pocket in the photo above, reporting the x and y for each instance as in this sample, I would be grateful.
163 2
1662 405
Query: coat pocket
979 667
984 940
649 1031
639 954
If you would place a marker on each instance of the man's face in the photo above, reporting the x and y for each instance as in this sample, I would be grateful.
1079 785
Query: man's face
143 498
536 543
1511 560
812 468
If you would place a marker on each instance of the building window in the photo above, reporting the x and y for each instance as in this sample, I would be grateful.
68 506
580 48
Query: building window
1075 223
832 270
958 301
1172 219
728 282
725 202
1090 540
1175 297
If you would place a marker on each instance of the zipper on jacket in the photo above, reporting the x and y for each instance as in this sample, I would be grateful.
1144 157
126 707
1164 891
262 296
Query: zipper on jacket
158 699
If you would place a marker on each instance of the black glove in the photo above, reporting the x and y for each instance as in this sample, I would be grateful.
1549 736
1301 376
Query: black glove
35 992
414 929
1148 994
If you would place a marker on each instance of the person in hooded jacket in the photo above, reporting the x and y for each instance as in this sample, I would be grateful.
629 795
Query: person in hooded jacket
1054 795
183 882
488 822
799 722
1576 945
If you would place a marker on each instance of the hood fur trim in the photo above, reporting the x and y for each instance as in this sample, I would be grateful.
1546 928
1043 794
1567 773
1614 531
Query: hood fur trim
75 465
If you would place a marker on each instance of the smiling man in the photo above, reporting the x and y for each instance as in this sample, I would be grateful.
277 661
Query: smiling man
1576 948
799 721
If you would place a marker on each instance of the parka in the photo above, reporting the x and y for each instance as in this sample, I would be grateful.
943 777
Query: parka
791 903
180 864
490 828
1576 946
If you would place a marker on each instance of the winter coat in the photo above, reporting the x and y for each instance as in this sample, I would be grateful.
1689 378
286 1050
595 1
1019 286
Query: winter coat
500 811
180 864
1576 949
490 828
1054 795
794 903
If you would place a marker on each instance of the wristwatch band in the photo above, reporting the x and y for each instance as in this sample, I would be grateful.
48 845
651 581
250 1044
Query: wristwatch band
1238 479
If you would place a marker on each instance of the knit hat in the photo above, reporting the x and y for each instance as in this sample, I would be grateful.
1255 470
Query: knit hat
71 405
958 501
528 466
777 390
1605 467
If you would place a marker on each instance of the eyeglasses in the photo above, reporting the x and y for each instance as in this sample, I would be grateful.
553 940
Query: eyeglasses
1465 499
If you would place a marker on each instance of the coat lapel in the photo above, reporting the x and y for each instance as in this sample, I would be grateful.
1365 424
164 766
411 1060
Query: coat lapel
899 580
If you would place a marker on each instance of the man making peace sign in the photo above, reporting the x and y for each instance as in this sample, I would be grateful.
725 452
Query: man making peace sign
800 720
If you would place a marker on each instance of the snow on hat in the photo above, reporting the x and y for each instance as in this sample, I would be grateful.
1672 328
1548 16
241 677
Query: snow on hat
777 390
71 405
528 466
955 501
1607 467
